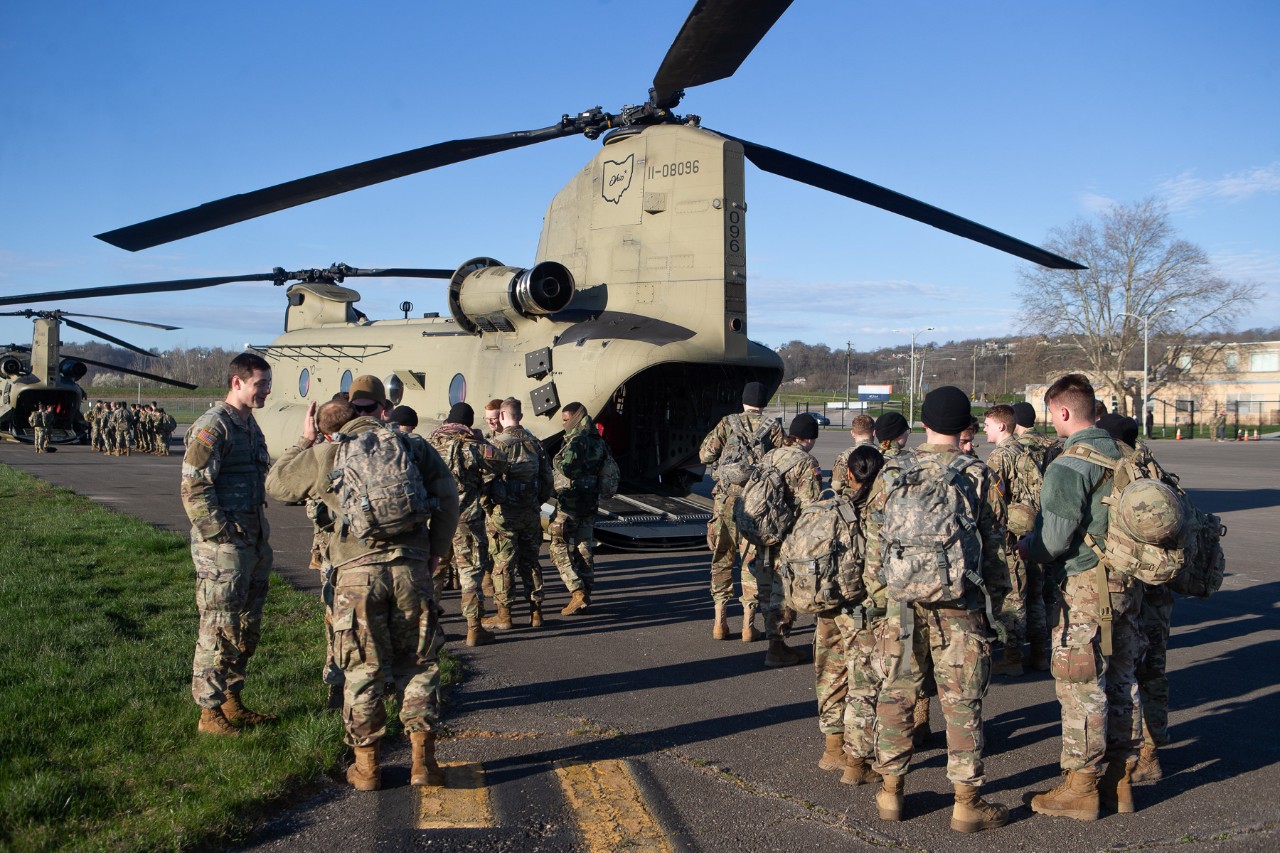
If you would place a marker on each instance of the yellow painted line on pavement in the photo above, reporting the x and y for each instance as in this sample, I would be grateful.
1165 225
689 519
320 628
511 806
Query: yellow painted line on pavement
463 802
609 807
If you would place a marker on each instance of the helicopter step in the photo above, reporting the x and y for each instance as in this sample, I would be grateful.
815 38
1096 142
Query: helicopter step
647 522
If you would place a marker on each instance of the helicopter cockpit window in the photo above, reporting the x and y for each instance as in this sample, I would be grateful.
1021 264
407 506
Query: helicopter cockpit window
395 389
304 382
345 385
458 390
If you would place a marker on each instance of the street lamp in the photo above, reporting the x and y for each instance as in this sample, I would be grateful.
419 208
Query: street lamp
848 358
922 358
911 405
1146 328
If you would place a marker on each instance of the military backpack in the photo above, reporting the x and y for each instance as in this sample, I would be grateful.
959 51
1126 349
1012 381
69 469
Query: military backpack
523 481
820 562
1024 497
380 490
765 513
744 450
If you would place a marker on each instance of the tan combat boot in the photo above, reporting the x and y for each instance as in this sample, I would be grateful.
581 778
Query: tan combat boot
500 621
425 769
971 813
750 633
214 722
858 771
478 635
889 798
1010 663
920 732
535 615
1148 769
240 715
720 628
1039 657
1075 797
833 755
780 654
578 601
365 773
1114 791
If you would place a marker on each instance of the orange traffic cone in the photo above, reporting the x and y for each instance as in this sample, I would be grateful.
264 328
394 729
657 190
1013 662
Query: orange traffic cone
1178 435
1239 435
1256 437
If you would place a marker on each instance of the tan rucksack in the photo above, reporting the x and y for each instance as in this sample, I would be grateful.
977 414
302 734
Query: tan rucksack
820 562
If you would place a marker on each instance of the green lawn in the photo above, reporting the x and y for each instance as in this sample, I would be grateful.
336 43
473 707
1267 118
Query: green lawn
99 748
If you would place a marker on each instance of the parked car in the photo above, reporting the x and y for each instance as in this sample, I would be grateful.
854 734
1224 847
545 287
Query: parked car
823 420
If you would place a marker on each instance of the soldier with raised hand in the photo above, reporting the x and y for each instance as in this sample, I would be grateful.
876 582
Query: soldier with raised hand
862 430
515 519
383 593
954 598
1093 658
472 462
576 473
223 492
735 432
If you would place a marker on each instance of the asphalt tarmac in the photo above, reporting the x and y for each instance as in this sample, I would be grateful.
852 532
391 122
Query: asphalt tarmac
722 752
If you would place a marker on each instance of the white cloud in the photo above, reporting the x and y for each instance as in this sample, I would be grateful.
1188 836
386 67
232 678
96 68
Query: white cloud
1186 189
1095 203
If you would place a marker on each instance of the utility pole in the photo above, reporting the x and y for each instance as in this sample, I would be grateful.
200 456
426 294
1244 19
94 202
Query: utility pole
911 405
848 361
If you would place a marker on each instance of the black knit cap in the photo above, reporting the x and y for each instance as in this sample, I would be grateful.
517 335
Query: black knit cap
1120 427
1024 415
946 410
889 426
804 425
404 416
461 413
755 394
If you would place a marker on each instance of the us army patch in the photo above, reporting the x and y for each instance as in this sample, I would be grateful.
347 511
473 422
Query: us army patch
1000 485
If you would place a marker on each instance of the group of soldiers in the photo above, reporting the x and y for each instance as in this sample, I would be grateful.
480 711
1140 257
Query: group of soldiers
117 428
1036 510
393 511
41 420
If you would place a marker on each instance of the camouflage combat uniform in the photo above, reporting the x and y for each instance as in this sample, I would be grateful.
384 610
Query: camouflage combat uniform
1010 461
1098 695
954 638
40 427
722 534
840 482
803 477
576 469
1041 593
222 491
515 522
383 592
472 462
124 424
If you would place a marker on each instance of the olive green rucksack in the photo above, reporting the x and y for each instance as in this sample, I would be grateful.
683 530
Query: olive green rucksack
821 560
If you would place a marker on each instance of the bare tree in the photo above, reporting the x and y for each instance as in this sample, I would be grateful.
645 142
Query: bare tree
1139 273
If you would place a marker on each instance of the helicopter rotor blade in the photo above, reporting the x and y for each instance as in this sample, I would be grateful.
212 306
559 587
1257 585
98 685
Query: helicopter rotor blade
714 40
122 320
112 338
178 382
825 178
238 208
143 287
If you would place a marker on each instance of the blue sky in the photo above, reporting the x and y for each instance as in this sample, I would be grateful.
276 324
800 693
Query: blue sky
1022 116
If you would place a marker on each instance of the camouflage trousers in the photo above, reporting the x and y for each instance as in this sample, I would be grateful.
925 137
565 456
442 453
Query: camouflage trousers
832 684
727 546
383 628
1039 601
122 442
41 439
572 547
1155 618
1101 715
1013 613
847 685
469 555
515 549
231 589
957 646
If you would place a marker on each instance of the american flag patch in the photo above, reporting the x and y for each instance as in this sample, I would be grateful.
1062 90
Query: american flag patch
206 438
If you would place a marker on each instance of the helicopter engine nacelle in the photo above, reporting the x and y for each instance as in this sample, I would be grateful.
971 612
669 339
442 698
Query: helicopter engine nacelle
485 296
12 366
72 370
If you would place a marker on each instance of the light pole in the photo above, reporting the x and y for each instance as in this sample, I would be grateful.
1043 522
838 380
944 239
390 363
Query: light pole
848 358
911 404
1146 328
922 358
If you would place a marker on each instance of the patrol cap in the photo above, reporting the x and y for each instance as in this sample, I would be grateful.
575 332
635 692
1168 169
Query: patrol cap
461 413
755 394
1024 415
889 426
804 426
946 410
404 416
367 388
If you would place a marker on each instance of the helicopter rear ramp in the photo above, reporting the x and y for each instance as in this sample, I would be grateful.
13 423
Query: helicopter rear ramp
647 522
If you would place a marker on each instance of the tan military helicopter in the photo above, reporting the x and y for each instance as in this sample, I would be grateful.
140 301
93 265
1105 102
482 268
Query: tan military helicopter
43 375
635 304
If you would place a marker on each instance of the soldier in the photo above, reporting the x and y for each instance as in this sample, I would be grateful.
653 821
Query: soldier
472 462
738 430
404 419
1044 448
94 419
1093 659
39 420
957 638
383 592
223 472
1018 480
125 424
891 434
492 418
575 471
967 436
862 430
515 519
109 429
167 426
1040 593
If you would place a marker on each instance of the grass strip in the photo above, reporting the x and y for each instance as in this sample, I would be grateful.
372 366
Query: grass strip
99 749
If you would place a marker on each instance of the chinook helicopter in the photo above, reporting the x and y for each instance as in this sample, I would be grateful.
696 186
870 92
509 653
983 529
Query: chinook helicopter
41 375
635 303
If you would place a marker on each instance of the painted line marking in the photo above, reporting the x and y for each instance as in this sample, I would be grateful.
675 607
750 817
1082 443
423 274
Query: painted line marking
609 807
463 802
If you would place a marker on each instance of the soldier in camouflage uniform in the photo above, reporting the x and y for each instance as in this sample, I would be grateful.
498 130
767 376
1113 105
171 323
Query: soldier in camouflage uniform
515 516
94 419
1040 592
383 595
722 534
223 471
39 421
862 430
955 640
472 462
1093 659
576 470
167 426
125 424
107 429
